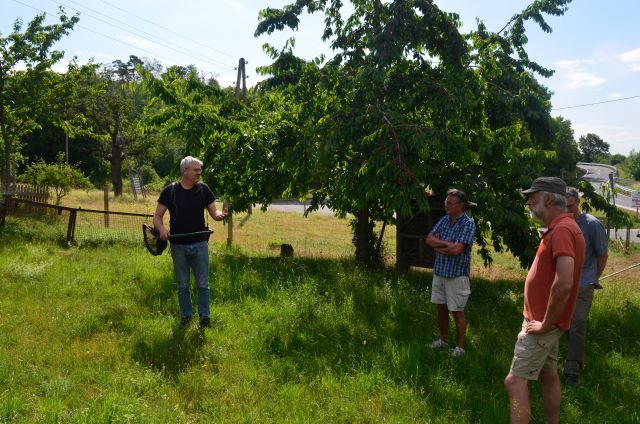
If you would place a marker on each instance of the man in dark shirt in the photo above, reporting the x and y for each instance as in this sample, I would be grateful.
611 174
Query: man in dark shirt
186 201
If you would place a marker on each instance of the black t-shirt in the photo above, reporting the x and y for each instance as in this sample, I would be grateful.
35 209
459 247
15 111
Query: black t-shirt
186 209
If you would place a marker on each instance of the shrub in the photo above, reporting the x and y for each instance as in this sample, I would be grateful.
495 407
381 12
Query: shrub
60 176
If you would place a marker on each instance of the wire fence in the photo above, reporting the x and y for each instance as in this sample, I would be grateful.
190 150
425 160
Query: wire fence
77 225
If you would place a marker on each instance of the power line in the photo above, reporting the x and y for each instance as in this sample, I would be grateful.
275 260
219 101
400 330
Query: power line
154 54
596 103
202 57
168 29
216 63
145 32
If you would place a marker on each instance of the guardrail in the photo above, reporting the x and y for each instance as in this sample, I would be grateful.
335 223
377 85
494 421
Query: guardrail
604 165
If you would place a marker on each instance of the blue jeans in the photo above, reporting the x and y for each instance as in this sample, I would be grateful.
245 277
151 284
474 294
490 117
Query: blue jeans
187 257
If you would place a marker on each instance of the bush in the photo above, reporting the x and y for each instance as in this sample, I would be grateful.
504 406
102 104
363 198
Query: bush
632 165
60 176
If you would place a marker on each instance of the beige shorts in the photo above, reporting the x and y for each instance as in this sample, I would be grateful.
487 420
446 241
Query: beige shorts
533 352
454 292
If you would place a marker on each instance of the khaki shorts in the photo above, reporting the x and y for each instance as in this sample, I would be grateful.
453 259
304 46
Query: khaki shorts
454 292
533 352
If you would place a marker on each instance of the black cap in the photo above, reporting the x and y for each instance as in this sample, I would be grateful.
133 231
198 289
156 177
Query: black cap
549 184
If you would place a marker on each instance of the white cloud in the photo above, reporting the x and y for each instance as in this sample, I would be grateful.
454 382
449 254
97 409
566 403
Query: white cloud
576 76
632 57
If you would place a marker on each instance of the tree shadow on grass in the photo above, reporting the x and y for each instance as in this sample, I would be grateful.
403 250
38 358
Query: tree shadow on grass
172 353
337 319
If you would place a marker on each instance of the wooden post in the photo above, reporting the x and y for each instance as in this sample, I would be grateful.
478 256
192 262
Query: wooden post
628 239
71 227
229 207
3 208
106 206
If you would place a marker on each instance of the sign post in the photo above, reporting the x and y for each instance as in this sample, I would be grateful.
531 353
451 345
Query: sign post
635 201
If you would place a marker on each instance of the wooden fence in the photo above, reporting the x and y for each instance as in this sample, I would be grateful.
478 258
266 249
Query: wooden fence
35 193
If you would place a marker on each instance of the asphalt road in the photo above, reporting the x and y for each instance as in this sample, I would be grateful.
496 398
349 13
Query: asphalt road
598 174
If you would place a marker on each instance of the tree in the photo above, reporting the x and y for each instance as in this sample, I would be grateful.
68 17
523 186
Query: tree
617 158
19 89
409 105
115 103
632 164
60 176
593 148
565 146
192 114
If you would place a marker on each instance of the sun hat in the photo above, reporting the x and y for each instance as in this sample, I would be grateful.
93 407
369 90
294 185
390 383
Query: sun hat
549 184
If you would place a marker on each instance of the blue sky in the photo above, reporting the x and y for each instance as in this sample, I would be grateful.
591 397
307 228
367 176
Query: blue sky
594 48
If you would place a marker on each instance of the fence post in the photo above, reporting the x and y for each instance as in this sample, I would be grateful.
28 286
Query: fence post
3 208
229 206
106 206
71 228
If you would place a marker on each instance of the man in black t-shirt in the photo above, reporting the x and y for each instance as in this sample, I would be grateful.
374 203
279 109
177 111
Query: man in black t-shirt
186 202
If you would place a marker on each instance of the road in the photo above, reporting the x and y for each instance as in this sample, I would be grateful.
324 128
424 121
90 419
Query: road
598 174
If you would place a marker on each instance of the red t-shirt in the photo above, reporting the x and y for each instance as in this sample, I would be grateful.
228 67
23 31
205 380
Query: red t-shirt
563 238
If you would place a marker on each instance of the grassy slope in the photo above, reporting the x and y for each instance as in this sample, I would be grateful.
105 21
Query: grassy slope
90 334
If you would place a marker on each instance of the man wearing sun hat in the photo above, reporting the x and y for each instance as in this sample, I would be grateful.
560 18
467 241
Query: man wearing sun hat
550 292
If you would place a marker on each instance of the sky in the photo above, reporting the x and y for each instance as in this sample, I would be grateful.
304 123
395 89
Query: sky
594 48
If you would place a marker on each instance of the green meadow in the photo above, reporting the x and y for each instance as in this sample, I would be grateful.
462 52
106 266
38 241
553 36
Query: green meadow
89 333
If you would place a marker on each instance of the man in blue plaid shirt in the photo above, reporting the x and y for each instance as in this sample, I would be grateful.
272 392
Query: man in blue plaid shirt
451 238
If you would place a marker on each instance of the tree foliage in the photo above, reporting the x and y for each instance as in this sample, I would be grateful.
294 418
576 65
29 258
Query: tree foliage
593 148
632 164
60 176
567 154
410 105
20 90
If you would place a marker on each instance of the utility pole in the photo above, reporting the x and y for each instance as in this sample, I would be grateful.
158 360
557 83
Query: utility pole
242 75
240 95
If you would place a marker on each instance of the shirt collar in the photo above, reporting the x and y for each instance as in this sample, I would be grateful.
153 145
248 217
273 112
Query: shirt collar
559 218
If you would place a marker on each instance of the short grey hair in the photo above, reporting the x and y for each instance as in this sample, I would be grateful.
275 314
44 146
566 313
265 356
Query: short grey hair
460 195
559 200
187 162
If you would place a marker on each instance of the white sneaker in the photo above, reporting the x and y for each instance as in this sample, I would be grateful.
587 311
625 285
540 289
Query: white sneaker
458 351
438 344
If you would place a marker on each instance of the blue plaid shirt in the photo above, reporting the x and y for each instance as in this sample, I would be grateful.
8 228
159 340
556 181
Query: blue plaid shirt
462 231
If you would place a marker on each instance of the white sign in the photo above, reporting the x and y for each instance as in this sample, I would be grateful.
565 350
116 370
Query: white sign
635 199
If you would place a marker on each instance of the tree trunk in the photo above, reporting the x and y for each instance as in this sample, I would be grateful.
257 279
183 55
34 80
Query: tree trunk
116 164
6 174
364 239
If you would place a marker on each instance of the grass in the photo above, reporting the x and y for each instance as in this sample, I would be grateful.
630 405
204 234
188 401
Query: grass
89 333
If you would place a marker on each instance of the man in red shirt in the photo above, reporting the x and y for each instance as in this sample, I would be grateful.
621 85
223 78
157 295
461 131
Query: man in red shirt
550 293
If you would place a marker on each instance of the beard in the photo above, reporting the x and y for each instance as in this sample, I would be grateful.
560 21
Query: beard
537 212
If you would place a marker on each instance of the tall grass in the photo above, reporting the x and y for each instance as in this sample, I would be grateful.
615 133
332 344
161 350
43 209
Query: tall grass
90 334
